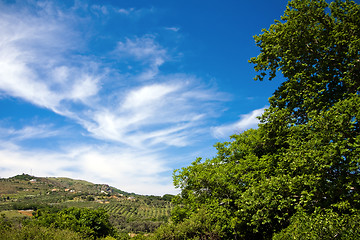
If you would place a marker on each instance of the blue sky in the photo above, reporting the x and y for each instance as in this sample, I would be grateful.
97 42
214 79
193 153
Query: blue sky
124 92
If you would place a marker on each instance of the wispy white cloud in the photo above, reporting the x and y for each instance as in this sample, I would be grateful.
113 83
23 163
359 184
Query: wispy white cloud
174 29
109 10
162 113
126 11
246 121
134 12
101 8
28 132
34 62
147 96
146 51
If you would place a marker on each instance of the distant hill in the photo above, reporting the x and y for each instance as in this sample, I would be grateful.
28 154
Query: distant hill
128 212
20 182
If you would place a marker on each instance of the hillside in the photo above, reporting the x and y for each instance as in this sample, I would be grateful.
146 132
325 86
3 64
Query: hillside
40 185
128 212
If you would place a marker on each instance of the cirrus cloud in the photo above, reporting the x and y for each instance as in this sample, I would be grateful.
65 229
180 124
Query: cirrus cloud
249 120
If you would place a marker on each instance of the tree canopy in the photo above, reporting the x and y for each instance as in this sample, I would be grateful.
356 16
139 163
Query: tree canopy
303 160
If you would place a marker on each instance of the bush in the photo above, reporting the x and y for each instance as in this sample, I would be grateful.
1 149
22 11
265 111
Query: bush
89 222
24 229
200 225
322 224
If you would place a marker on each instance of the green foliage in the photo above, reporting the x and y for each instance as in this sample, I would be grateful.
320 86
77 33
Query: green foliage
322 224
89 222
27 205
23 176
201 225
5 224
167 197
297 175
323 156
25 229
238 189
315 47
90 198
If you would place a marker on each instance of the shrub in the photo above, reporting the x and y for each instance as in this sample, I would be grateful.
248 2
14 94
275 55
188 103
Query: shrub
322 224
89 222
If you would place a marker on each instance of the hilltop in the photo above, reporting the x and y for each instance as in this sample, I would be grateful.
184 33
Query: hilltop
41 185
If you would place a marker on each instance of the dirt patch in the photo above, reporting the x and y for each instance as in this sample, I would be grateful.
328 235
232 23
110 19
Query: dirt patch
26 212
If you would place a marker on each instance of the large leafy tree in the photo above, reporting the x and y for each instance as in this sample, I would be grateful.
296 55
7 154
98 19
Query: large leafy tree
312 125
304 157
317 50
315 47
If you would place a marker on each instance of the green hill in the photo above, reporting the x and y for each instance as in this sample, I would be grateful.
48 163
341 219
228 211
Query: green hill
128 212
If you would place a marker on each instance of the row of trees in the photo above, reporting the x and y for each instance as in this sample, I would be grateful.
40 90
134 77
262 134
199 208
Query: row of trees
297 175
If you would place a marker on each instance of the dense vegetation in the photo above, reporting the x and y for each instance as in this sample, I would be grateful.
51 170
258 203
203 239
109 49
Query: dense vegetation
297 175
